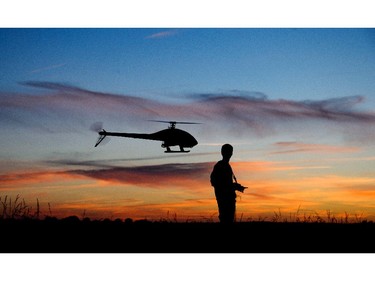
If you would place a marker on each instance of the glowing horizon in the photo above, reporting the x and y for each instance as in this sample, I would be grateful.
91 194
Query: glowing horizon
108 194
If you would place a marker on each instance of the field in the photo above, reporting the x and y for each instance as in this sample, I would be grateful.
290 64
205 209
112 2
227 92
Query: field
74 235
24 229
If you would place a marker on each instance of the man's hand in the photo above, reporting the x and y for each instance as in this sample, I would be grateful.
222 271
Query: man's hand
239 187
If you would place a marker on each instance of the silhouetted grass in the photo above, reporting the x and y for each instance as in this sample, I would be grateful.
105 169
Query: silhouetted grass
25 230
17 208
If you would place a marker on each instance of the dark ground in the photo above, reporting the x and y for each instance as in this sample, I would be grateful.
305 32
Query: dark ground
71 235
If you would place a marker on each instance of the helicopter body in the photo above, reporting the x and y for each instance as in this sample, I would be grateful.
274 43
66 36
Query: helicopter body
169 137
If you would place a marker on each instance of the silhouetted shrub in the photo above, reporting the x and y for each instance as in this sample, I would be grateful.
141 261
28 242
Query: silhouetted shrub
71 219
128 221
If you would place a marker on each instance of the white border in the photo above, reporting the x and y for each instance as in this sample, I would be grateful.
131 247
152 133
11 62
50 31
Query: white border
187 267
187 13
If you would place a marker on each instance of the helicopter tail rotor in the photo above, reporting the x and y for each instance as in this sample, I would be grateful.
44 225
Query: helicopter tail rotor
102 135
98 128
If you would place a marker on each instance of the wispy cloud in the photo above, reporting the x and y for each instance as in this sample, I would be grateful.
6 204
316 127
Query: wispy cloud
115 163
256 115
163 34
235 113
297 147
50 67
187 175
249 107
14 180
159 176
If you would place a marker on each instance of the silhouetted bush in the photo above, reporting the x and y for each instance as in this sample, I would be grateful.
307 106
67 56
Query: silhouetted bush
128 221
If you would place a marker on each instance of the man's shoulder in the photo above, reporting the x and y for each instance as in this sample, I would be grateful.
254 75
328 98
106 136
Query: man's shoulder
219 164
222 165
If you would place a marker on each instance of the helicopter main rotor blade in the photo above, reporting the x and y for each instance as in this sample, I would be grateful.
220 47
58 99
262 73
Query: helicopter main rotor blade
187 123
174 122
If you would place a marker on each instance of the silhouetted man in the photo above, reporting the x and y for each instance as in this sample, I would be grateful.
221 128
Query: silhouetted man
225 188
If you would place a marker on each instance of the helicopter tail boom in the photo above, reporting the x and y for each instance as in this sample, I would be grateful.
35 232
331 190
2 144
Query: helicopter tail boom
103 133
130 135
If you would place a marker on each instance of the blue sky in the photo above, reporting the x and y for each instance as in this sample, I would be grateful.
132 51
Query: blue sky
297 63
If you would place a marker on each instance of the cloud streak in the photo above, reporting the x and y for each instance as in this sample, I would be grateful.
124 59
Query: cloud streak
187 175
159 176
297 147
48 68
250 108
233 112
162 34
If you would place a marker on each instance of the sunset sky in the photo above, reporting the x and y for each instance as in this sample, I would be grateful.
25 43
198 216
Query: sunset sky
296 104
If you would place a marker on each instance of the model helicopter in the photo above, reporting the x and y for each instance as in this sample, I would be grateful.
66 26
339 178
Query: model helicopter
169 137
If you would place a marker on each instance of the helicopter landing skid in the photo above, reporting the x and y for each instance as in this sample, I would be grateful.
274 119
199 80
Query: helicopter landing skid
176 151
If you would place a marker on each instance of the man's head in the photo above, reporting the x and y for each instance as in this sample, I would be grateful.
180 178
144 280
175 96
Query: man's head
227 151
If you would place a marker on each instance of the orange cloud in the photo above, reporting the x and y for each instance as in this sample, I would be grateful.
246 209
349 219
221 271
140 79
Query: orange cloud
12 179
